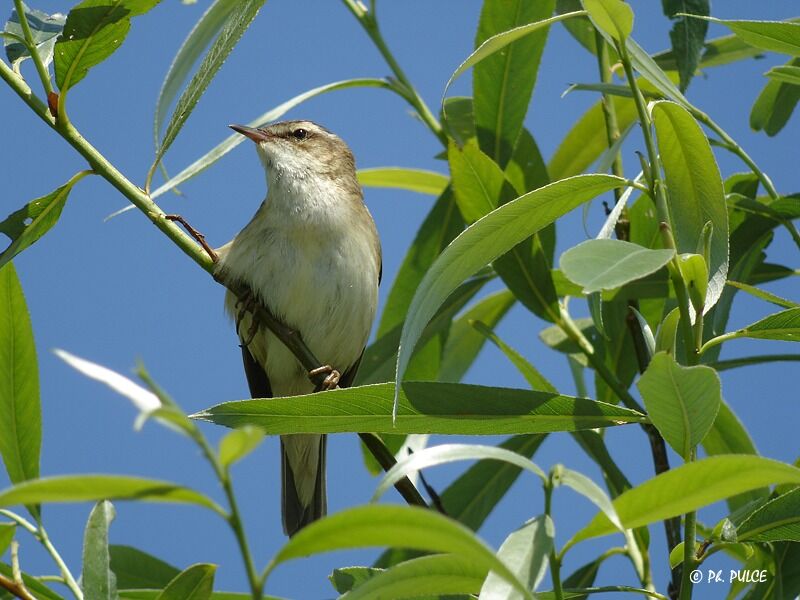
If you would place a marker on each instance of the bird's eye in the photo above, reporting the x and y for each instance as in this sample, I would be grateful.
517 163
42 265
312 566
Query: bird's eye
300 134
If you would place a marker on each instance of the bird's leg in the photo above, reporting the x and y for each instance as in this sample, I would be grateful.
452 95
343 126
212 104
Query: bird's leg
248 305
199 237
331 380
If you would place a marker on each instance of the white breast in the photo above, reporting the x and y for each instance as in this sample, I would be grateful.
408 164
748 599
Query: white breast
314 262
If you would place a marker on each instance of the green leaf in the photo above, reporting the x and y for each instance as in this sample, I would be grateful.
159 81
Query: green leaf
7 531
785 74
681 401
487 239
138 570
696 194
773 36
778 519
745 361
718 51
26 225
93 32
424 407
689 487
206 28
526 551
404 526
587 139
20 410
695 275
33 584
93 488
588 489
239 443
44 31
97 579
687 35
608 264
447 453
463 342
784 326
649 70
667 332
763 294
502 84
414 180
154 595
613 17
498 42
775 104
237 21
348 578
535 379
436 574
195 583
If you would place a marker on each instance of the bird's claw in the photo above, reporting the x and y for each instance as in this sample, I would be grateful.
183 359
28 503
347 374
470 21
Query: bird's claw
247 305
331 380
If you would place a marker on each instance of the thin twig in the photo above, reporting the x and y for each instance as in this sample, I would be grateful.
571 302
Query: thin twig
386 460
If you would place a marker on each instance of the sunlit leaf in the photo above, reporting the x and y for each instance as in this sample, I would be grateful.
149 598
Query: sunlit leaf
773 36
97 579
785 74
778 519
20 410
7 531
763 294
613 17
195 583
414 180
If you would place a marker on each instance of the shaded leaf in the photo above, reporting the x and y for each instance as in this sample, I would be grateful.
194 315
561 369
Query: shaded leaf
773 36
20 410
763 294
696 193
26 225
502 84
614 17
44 31
775 104
606 264
97 579
786 74
136 569
489 238
348 578
404 526
424 407
194 583
687 35
93 488
690 487
7 531
526 551
414 180
93 31
778 519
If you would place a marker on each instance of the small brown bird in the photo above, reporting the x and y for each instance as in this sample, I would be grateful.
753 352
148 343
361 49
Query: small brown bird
312 256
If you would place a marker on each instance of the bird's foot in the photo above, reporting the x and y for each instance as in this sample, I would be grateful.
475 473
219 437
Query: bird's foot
245 305
331 380
199 237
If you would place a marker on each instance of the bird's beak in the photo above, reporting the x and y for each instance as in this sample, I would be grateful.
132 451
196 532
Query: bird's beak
257 135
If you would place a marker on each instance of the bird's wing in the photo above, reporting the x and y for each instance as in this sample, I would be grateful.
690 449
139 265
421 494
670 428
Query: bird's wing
257 378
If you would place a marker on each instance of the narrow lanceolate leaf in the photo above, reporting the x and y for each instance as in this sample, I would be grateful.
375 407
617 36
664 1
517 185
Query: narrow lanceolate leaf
206 28
786 74
414 180
7 531
687 35
778 519
491 237
447 453
607 264
696 193
403 526
682 401
613 17
784 326
44 31
689 487
138 570
236 24
195 583
33 220
20 411
93 488
502 84
773 36
526 551
97 578
775 104
93 31
498 42
439 574
424 407
763 294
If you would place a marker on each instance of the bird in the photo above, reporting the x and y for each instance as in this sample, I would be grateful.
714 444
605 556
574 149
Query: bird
311 255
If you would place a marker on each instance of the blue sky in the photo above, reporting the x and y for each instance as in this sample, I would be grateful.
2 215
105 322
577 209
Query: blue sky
118 291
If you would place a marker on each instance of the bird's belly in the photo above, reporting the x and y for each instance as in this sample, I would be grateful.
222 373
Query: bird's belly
326 290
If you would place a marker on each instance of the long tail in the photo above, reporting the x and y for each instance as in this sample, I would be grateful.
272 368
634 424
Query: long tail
303 494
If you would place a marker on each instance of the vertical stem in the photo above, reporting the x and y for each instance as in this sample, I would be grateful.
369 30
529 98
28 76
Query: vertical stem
689 560
555 561
69 580
37 60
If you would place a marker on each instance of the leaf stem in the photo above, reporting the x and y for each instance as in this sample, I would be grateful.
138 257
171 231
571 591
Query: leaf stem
689 559
44 75
369 22
69 580
555 561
